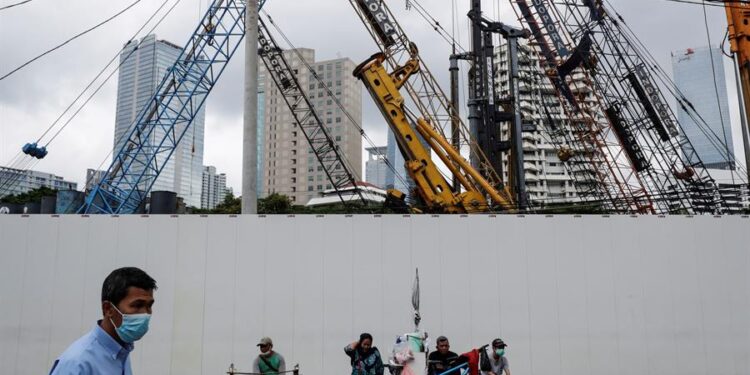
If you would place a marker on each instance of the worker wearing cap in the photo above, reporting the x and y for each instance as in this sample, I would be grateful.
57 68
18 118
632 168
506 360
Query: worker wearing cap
268 361
497 359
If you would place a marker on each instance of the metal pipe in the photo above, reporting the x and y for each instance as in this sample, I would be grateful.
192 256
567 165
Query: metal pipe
455 112
250 118
519 180
453 154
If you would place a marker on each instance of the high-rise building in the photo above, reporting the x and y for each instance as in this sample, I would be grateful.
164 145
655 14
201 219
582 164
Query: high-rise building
17 181
214 188
547 178
375 166
694 70
290 167
143 67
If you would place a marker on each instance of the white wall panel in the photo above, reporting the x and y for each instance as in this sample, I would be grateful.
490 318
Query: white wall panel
571 295
38 285
13 266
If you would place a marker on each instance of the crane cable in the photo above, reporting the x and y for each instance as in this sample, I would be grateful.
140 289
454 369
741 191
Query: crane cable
28 165
70 40
15 5
336 100
716 85
673 89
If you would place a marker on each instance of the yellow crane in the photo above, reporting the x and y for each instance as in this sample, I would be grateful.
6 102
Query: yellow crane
434 190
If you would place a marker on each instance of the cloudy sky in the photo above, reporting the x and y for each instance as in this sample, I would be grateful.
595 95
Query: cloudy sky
31 99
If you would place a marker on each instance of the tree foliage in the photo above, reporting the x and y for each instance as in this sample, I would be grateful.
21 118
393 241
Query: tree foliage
30 196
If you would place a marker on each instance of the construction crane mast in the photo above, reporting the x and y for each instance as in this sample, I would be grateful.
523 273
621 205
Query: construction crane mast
626 129
738 17
168 115
305 117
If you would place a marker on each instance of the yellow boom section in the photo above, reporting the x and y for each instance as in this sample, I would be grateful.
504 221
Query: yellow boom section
435 191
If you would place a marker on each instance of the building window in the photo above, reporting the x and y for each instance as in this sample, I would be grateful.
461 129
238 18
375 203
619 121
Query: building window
320 187
294 170
309 188
338 119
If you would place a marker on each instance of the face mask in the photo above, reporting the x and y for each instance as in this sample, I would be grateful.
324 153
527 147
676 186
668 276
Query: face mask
500 352
133 327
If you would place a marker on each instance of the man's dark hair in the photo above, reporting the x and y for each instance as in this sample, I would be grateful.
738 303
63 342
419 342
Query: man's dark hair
365 336
116 285
441 339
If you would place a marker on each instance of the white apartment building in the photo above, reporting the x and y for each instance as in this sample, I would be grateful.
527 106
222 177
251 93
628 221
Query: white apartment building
214 188
547 178
16 181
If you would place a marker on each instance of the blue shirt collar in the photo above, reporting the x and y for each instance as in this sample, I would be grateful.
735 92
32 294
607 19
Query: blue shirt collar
111 345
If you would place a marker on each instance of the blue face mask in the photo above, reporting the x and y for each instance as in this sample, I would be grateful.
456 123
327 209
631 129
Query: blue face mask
133 327
500 352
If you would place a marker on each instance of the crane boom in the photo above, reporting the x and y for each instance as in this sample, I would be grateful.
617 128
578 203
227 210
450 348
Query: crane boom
434 190
425 92
167 116
605 81
306 118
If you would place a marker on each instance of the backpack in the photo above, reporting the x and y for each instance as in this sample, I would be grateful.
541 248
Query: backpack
484 359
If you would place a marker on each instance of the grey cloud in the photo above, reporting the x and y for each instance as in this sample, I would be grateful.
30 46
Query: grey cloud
40 92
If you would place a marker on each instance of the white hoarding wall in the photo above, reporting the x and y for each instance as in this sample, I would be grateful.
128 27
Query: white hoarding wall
570 295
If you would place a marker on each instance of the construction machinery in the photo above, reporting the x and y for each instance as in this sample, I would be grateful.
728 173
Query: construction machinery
306 119
436 194
168 115
179 97
624 127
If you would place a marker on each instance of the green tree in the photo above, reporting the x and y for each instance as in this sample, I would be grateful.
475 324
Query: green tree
30 196
275 204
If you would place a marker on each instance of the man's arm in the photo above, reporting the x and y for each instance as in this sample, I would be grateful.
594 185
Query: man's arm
71 367
282 364
256 366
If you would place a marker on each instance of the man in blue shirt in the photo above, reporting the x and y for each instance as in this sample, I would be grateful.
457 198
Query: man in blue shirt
127 298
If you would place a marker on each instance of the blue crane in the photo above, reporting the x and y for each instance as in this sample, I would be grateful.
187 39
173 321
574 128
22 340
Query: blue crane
167 116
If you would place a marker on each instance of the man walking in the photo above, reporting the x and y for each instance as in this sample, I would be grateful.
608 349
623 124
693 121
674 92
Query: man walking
268 361
127 298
